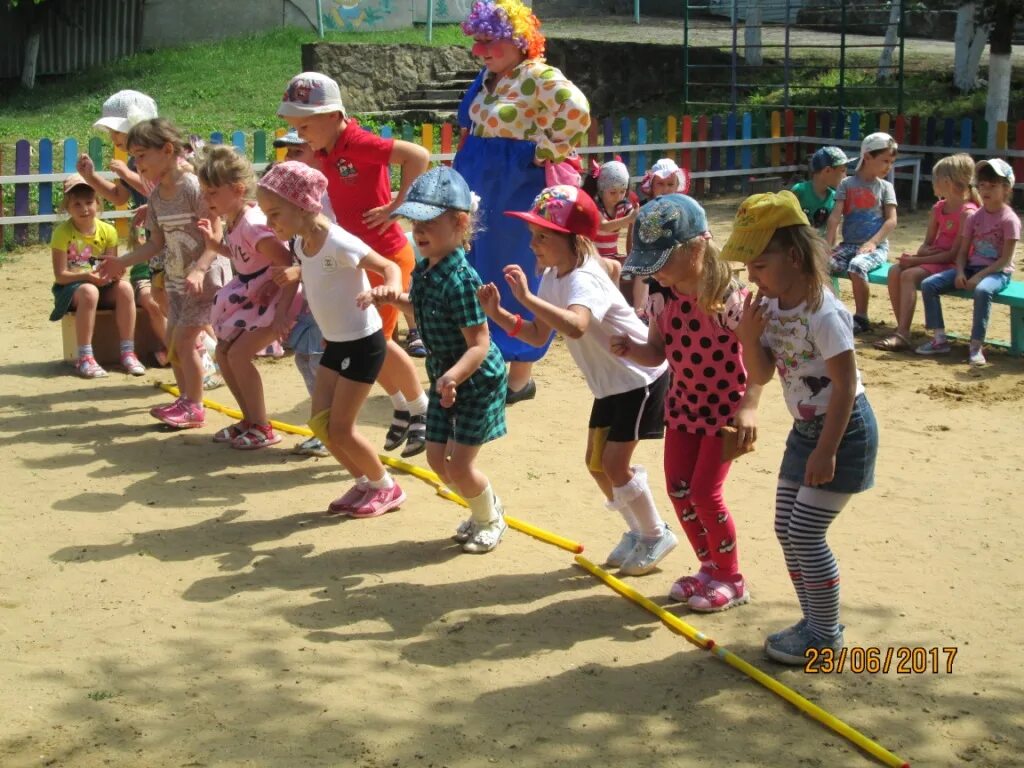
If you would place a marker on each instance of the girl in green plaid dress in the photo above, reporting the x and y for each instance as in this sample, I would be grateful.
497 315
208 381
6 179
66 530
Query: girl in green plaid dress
466 370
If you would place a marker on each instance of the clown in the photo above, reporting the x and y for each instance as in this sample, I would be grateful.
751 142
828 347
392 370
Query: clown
520 120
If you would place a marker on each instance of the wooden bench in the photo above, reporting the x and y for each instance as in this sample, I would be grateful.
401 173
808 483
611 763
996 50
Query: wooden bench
1013 297
105 341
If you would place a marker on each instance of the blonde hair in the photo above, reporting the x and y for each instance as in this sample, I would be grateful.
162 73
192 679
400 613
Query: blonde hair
959 169
813 257
155 134
222 166
716 280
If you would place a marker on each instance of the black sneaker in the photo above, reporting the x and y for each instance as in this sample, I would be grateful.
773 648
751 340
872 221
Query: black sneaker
526 393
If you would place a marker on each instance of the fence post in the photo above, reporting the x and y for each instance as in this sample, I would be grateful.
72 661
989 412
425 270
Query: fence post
446 140
776 130
427 137
789 130
746 132
686 136
3 241
1001 135
22 155
966 133
730 151
671 133
640 158
609 137
702 135
216 137
1018 143
900 128
238 142
259 147
855 126
279 152
45 188
625 138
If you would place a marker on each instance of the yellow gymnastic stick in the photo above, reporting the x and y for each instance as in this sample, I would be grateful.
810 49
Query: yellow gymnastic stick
703 641
418 472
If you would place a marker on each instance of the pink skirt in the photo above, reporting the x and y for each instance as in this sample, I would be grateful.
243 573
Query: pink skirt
247 304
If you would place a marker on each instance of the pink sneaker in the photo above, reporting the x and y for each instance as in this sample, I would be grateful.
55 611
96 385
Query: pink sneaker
719 596
157 411
130 362
350 500
377 501
88 368
686 587
184 415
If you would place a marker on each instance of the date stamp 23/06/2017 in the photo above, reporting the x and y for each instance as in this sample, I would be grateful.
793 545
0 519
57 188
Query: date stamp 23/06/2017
903 660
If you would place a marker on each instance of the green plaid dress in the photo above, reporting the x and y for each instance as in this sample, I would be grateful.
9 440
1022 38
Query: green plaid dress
444 300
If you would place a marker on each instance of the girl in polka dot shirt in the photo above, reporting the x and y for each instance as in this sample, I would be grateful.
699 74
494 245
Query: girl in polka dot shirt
694 309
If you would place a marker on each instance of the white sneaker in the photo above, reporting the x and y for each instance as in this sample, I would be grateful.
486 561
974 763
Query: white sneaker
976 357
485 537
465 530
626 545
648 553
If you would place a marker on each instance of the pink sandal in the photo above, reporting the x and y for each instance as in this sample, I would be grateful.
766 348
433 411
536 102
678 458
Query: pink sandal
256 436
231 433
719 596
687 586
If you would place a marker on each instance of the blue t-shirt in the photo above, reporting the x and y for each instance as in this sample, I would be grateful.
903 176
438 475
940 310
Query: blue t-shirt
863 205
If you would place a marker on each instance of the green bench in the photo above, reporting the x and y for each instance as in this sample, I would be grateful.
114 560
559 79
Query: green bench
1013 297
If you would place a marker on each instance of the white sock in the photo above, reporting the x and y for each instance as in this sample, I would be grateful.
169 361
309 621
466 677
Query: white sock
627 514
481 508
399 402
637 497
939 334
362 481
417 407
385 483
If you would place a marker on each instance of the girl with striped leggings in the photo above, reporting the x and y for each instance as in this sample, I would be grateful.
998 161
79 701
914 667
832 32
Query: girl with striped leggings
797 326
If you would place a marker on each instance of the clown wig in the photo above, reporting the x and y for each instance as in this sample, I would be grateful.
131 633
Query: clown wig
506 20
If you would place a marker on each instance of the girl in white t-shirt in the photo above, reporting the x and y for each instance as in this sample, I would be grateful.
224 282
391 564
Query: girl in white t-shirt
577 298
333 264
797 326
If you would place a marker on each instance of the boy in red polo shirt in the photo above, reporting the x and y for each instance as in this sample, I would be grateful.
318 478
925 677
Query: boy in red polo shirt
357 164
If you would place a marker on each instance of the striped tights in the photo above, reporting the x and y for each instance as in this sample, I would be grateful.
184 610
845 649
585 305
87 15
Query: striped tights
802 517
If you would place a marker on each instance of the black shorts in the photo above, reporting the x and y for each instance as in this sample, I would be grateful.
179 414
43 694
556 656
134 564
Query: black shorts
635 415
357 360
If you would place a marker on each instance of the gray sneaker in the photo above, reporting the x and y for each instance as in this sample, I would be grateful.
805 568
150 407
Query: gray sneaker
774 637
792 649
485 537
626 545
648 553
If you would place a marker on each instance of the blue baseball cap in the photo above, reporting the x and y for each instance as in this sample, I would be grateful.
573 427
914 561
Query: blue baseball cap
829 157
661 225
438 190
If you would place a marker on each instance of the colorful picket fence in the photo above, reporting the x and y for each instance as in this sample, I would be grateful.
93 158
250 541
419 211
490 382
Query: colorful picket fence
721 151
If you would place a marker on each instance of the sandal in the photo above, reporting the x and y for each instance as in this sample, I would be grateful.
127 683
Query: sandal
416 442
895 343
687 586
231 433
719 596
257 436
398 430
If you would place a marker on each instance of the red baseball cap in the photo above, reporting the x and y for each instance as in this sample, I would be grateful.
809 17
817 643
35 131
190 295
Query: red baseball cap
564 209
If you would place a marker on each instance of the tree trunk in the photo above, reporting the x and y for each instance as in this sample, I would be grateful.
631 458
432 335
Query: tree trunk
886 69
752 51
1000 67
969 45
28 67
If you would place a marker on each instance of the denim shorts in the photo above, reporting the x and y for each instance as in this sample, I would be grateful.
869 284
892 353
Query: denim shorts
855 459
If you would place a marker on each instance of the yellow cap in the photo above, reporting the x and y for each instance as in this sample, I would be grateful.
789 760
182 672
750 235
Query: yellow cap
756 221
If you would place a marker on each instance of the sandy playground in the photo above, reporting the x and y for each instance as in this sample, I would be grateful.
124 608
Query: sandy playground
165 601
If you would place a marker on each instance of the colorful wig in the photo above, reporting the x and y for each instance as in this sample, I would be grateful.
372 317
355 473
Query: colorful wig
506 20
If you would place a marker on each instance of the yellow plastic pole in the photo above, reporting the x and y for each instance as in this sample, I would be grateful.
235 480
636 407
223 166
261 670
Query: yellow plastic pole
703 641
419 472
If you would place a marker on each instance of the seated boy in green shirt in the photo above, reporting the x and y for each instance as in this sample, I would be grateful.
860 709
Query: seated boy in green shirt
817 196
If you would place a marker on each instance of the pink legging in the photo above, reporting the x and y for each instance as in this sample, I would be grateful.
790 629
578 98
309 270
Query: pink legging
695 474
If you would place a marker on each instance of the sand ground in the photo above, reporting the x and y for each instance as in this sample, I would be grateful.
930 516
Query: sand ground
165 601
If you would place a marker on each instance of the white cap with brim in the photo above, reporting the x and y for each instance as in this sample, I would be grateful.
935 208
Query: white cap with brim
310 93
999 167
124 110
875 142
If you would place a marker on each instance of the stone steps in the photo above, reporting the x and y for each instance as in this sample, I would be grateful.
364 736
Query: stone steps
414 116
433 94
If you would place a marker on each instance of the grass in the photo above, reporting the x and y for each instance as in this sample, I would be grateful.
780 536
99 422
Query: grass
204 87
101 695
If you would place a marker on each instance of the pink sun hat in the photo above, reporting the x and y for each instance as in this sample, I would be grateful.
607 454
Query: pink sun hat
297 183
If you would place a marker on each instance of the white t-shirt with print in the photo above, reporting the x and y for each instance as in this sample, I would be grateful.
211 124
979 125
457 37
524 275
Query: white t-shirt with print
331 280
589 286
801 341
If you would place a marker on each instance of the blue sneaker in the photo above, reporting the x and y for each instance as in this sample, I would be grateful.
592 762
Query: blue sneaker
792 648
622 550
648 553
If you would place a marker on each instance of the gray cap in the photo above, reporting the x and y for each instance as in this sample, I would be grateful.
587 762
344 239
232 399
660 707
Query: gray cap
124 110
438 190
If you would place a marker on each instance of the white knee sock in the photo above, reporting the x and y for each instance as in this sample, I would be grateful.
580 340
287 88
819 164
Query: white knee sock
626 512
636 496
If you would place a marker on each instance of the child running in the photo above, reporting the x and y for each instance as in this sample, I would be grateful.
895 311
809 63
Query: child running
953 182
357 164
193 273
796 325
984 261
334 265
466 370
578 299
77 246
693 319
866 205
251 311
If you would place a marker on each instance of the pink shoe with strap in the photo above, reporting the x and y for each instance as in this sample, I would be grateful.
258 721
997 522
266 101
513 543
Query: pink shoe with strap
184 415
377 501
720 596
687 586
351 499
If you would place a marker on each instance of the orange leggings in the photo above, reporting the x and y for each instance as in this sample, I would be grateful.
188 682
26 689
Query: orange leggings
406 260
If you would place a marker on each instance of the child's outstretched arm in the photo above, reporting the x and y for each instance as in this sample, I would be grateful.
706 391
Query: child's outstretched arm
214 244
757 359
650 353
414 161
112 269
120 169
821 464
534 332
108 190
888 225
